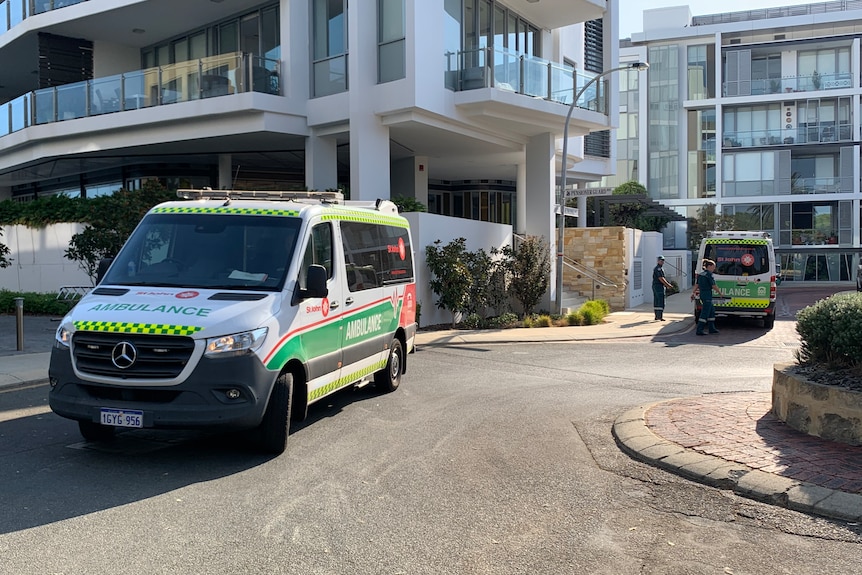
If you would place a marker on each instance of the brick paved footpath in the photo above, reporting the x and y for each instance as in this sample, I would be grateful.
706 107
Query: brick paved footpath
739 427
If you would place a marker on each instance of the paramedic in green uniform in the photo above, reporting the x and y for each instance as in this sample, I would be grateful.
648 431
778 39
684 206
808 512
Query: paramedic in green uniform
705 288
659 282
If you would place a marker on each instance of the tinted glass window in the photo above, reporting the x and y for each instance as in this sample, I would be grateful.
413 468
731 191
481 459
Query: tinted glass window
318 251
739 259
207 251
376 255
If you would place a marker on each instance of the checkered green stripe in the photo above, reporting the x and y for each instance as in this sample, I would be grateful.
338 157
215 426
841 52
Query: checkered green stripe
749 303
735 241
148 328
228 210
366 217
346 380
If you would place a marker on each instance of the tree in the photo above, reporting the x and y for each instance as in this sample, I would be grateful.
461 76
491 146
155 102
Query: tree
5 262
632 215
450 275
529 270
707 220
110 221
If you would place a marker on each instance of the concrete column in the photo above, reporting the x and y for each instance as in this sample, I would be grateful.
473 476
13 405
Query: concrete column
521 199
321 163
539 205
582 211
369 138
225 172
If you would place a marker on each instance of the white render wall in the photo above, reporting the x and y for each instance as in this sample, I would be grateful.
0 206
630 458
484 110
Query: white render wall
38 264
425 229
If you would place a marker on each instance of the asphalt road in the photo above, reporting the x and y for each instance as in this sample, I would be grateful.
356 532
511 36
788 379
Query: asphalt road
494 459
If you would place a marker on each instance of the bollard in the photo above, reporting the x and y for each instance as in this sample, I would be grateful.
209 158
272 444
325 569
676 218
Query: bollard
19 321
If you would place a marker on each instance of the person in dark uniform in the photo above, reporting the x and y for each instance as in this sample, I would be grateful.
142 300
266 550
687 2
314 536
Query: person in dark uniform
659 283
705 288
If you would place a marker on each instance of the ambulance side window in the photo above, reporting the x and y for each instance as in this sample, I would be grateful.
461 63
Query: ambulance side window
318 251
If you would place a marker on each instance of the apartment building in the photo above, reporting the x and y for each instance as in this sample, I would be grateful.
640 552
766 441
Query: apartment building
459 104
757 113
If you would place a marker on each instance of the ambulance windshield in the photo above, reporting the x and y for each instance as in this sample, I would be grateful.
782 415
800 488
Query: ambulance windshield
739 259
207 251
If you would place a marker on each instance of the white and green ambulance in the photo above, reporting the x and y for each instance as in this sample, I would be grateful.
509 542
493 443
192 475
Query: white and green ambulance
238 310
745 272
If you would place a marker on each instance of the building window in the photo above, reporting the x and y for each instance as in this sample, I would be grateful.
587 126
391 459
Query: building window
663 122
391 43
701 72
329 47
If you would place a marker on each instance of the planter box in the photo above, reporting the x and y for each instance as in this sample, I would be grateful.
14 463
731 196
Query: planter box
825 411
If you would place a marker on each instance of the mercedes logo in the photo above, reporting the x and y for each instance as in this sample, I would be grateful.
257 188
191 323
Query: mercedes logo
124 355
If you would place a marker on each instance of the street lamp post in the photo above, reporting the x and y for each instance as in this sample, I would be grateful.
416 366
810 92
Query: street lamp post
564 173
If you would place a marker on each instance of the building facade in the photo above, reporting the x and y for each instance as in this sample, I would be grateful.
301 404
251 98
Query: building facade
459 104
755 114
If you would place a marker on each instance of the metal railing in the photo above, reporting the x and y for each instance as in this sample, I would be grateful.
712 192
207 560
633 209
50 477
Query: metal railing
790 84
779 12
800 135
523 74
208 77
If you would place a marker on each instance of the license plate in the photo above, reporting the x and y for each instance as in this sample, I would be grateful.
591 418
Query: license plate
122 417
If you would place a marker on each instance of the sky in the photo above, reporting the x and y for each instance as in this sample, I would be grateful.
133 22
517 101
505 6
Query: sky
631 11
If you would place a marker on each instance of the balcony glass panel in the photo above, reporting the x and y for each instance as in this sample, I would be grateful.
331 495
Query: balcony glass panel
4 20
204 78
330 76
44 105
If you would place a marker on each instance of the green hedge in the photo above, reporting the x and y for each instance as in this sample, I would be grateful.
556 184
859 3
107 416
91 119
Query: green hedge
34 303
831 332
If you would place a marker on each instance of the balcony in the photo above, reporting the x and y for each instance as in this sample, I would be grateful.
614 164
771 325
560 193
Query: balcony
515 72
817 186
800 135
209 77
13 12
791 84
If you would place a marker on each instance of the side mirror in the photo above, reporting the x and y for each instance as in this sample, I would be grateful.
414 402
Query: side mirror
104 264
315 284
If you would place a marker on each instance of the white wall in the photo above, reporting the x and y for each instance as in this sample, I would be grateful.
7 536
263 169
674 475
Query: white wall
38 264
644 248
428 228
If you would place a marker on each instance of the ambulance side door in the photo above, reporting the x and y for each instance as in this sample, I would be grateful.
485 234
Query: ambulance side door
320 318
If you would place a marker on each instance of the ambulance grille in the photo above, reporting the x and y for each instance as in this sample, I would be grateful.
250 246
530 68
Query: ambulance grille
154 356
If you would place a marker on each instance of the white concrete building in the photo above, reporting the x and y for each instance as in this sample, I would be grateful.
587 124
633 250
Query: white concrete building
459 104
758 113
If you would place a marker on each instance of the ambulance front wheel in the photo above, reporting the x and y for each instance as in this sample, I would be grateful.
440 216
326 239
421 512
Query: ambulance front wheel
273 430
95 432
390 378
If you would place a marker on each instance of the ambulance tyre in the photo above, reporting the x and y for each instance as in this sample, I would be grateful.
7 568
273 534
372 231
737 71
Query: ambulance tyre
273 430
95 431
769 321
389 379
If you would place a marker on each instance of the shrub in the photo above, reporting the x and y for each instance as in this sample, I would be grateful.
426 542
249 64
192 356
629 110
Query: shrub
471 321
575 318
34 303
503 321
831 332
528 268
543 320
406 204
594 311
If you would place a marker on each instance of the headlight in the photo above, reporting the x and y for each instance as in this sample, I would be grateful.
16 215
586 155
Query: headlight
235 344
63 336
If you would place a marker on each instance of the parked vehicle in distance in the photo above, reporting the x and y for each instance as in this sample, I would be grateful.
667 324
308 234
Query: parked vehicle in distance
746 272
239 310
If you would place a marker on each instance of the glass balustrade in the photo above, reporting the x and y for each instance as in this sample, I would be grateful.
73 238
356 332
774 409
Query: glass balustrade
799 135
790 84
209 77
523 74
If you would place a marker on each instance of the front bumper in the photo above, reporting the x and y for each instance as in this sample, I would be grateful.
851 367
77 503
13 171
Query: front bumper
199 401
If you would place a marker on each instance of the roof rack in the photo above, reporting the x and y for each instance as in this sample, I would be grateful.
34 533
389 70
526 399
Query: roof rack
210 194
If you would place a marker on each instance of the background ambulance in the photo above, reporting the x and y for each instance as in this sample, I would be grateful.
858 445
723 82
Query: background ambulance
746 273
239 310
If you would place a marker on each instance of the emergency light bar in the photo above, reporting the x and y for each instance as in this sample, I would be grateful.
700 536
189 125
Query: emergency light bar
210 194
